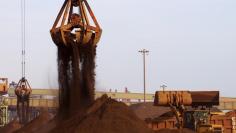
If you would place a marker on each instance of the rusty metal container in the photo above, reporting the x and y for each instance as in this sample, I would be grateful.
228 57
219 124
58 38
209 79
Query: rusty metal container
227 121
156 125
205 98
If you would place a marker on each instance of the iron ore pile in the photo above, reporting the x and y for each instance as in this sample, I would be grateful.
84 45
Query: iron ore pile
103 116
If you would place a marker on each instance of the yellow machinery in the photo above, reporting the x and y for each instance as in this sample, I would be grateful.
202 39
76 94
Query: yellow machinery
175 100
3 85
3 111
3 101
200 121
209 128
73 25
194 119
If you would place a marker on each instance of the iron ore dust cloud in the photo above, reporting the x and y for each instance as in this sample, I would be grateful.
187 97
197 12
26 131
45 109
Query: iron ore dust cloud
76 77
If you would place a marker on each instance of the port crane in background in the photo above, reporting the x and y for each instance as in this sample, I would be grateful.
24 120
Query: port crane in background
23 89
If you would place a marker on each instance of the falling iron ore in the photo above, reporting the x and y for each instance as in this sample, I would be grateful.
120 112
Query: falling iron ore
76 66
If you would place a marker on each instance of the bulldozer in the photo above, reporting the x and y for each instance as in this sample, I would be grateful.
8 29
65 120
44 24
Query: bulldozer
199 121
198 117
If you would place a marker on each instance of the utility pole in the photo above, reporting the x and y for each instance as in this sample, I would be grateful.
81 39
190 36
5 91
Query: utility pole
163 87
144 52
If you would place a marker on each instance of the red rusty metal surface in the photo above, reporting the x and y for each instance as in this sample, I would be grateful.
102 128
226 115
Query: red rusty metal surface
205 98
227 121
169 122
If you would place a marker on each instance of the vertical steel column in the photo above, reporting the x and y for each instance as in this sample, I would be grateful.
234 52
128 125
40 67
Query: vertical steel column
144 52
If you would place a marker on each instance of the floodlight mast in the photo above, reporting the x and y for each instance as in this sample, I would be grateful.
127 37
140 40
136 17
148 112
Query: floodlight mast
144 52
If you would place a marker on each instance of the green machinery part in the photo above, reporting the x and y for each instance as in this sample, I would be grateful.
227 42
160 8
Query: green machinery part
3 111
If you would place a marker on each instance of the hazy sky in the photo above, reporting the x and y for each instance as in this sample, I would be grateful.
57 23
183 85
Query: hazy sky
192 44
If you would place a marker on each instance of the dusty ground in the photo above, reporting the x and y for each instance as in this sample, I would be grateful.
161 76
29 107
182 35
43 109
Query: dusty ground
10 127
148 110
175 131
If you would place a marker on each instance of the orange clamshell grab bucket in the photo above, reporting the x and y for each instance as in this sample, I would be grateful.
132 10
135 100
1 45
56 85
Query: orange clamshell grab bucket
75 27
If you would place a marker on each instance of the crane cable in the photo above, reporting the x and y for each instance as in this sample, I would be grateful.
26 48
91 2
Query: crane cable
23 37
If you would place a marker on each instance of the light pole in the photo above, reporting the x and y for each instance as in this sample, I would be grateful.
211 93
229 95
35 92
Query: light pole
144 52
163 87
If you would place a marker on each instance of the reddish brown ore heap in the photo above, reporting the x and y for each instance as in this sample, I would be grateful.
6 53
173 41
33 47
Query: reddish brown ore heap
104 116
10 127
35 124
148 110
